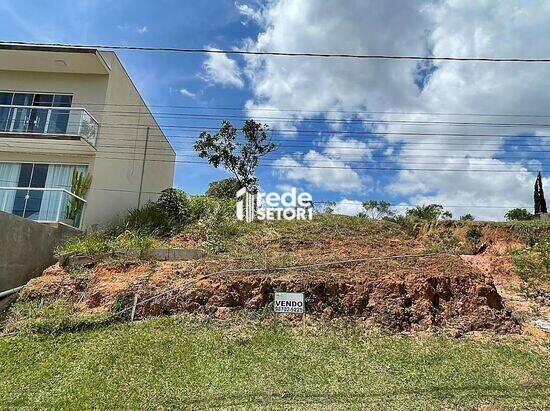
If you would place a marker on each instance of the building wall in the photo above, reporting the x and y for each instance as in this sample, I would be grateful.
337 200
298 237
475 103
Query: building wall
30 250
120 149
117 165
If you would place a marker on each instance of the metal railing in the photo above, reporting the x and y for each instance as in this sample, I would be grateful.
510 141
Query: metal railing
44 205
49 120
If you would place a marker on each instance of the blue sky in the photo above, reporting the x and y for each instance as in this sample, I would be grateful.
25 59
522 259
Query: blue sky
305 86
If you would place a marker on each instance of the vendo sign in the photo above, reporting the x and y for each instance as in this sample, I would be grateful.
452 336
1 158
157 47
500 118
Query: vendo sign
289 303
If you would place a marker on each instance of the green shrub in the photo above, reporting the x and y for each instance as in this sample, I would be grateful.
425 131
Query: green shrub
217 225
174 203
151 219
130 240
474 234
201 206
376 210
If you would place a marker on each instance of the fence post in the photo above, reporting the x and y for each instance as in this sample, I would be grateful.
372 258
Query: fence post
134 308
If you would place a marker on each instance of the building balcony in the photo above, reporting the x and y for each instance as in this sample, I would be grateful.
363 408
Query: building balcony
44 205
48 123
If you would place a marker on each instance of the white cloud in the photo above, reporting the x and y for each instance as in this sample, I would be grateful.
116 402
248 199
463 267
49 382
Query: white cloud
125 27
451 27
348 207
348 149
320 171
220 69
250 13
186 93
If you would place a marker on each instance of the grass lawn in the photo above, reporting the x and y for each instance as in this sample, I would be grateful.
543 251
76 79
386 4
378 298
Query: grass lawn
182 363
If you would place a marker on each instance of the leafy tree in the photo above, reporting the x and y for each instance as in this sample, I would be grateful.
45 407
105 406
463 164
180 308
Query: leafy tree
429 212
241 159
377 209
467 217
518 214
540 202
224 189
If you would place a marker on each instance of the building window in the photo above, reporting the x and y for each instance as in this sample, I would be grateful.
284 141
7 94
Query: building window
28 189
27 119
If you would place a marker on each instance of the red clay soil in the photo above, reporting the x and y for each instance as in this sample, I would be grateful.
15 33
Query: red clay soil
409 295
444 292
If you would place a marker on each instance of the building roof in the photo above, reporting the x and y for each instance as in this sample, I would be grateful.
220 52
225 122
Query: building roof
65 49
52 59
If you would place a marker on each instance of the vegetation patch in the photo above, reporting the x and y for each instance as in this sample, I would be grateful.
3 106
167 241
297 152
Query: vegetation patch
96 242
49 317
183 363
533 264
435 292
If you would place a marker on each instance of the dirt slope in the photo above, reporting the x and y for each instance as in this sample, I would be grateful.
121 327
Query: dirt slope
450 291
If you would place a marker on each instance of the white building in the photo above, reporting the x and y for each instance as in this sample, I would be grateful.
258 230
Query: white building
65 109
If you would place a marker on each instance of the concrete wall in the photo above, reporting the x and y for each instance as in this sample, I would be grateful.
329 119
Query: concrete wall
26 249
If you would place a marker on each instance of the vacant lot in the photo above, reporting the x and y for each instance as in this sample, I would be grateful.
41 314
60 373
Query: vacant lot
183 363
459 276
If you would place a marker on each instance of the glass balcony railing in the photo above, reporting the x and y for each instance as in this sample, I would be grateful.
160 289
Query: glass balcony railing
49 120
43 205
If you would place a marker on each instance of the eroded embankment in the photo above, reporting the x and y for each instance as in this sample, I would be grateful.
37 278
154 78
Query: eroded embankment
409 300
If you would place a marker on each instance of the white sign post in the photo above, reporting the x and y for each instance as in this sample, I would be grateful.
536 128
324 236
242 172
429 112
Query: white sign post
289 303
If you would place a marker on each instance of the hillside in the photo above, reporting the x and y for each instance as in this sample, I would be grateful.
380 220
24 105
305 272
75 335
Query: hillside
385 304
456 277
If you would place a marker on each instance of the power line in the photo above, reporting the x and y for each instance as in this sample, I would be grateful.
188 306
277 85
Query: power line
365 134
234 108
326 144
343 201
362 122
352 161
279 166
299 111
407 149
314 166
185 152
367 121
194 116
283 53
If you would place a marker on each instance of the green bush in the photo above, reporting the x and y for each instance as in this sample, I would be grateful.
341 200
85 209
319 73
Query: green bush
130 240
217 225
474 234
174 203
87 244
151 219
201 206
